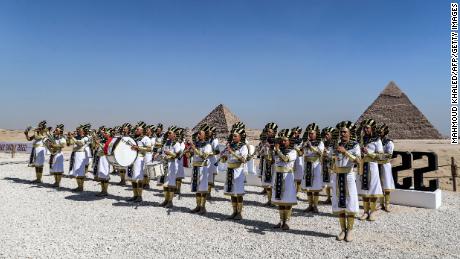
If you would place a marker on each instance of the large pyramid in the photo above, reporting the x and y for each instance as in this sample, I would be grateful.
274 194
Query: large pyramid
403 118
221 118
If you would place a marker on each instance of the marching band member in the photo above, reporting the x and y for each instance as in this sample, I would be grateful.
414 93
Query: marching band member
180 161
388 183
102 166
213 158
125 132
266 158
326 135
94 148
57 157
346 154
284 186
235 156
148 155
312 181
137 175
369 187
88 150
78 156
159 135
170 152
37 156
298 165
201 150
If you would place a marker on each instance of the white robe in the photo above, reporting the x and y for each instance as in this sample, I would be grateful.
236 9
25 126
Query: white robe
237 180
316 169
199 181
58 158
170 180
388 183
138 166
79 158
351 197
288 192
375 187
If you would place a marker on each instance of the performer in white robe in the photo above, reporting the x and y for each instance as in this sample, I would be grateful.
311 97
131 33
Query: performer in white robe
143 146
284 187
235 156
326 135
369 186
148 155
201 150
346 154
298 165
102 166
87 148
386 175
58 142
122 171
312 181
180 160
265 151
78 156
170 152
213 158
37 156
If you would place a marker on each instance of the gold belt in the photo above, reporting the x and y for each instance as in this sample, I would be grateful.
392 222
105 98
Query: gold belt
311 159
233 165
199 163
38 145
282 169
368 159
342 170
384 161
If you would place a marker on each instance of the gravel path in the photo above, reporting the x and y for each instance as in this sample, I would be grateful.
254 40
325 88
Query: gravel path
41 222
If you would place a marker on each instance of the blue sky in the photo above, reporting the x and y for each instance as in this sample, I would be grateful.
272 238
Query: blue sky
292 62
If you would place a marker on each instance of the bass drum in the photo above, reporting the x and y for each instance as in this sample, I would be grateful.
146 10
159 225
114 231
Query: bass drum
119 152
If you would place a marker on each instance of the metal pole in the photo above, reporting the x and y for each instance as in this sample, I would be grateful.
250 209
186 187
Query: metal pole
453 168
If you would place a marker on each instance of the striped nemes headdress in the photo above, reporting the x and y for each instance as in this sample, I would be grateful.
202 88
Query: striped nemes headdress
60 127
368 122
204 127
311 127
87 127
264 134
326 130
287 134
151 127
239 131
347 125
126 125
141 124
297 129
238 125
160 126
383 129
42 124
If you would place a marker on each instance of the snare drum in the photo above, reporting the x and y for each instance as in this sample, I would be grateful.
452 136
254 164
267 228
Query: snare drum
154 170
119 152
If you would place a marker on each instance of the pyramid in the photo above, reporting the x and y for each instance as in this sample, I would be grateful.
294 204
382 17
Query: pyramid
403 118
221 118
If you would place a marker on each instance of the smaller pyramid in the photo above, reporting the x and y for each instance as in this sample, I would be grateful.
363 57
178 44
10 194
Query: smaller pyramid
221 118
403 118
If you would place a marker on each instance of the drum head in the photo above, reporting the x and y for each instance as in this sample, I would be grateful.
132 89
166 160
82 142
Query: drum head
123 154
